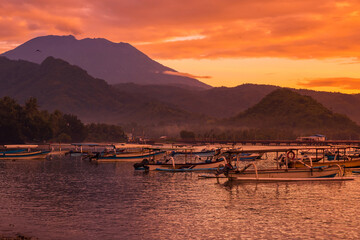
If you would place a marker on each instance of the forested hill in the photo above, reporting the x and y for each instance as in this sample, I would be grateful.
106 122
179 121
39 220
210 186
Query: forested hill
219 102
28 124
286 109
58 85
224 102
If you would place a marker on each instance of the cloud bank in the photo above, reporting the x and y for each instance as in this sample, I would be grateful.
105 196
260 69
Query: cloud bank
340 83
297 29
184 74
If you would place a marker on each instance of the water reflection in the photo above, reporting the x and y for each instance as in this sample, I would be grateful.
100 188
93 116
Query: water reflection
69 198
281 189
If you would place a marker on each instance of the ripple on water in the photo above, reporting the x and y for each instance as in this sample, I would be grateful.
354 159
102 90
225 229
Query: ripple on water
68 198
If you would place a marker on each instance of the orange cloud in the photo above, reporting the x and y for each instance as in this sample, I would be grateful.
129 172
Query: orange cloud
184 74
341 83
166 29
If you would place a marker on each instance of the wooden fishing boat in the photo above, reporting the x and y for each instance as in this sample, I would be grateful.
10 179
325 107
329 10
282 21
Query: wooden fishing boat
289 172
84 149
249 156
345 162
203 153
319 158
171 166
12 152
127 153
129 157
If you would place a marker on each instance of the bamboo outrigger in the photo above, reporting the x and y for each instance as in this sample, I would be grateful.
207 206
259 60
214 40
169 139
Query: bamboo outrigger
284 171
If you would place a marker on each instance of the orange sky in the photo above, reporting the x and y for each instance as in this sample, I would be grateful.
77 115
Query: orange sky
294 43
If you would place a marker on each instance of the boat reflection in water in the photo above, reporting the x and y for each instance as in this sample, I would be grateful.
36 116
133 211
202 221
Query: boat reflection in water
69 198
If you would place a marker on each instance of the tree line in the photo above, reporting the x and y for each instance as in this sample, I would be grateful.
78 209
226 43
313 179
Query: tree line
239 134
27 123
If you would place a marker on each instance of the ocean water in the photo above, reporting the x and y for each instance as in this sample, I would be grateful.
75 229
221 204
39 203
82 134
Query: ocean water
70 198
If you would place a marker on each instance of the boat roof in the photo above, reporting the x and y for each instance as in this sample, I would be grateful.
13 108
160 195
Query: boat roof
20 146
278 149
86 144
131 145
172 148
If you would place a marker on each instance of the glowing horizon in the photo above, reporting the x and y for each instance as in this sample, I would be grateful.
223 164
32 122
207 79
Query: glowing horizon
295 44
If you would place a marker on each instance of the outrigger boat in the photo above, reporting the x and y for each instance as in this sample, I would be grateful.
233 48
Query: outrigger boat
332 156
171 166
296 174
190 162
83 149
11 152
127 153
204 153
304 173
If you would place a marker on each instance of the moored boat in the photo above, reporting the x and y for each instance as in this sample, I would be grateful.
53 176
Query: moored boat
12 152
295 174
128 153
284 171
129 157
345 162
171 166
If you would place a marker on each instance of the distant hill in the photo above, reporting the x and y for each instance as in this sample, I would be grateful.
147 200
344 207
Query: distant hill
286 109
113 62
223 102
58 85
218 102
347 104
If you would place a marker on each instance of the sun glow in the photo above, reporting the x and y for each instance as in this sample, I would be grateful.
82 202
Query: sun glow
256 41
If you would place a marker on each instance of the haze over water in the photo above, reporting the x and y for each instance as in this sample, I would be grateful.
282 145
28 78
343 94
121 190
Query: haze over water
70 198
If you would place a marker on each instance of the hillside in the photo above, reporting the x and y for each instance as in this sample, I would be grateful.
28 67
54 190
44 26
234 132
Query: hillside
223 102
113 62
347 104
220 102
58 85
286 109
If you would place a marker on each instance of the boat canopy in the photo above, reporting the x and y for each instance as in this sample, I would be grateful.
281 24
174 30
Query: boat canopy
86 144
21 146
274 149
130 145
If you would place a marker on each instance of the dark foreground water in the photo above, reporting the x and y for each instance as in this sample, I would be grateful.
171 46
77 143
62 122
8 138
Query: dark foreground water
66 198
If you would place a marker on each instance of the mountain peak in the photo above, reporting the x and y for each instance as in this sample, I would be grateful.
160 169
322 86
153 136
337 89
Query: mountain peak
101 58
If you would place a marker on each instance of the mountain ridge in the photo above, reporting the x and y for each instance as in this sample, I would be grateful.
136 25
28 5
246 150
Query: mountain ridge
59 85
101 58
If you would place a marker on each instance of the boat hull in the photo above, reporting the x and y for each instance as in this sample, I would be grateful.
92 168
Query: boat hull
323 179
187 167
130 157
299 174
345 163
24 155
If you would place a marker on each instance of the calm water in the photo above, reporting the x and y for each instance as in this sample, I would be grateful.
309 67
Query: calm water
69 198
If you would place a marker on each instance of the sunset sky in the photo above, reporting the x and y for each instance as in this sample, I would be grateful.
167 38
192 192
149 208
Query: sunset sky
290 43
